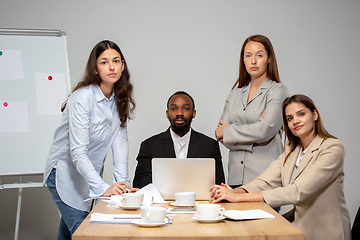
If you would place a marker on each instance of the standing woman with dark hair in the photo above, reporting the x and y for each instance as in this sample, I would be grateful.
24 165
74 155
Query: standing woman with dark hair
251 125
94 120
309 175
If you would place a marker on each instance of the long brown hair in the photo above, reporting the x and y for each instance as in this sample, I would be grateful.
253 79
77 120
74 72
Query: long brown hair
272 68
320 130
123 87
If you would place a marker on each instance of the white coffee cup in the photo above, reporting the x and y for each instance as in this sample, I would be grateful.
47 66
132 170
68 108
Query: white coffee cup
132 199
185 198
152 214
209 211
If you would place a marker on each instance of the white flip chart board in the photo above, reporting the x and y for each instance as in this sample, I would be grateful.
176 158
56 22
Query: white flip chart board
34 82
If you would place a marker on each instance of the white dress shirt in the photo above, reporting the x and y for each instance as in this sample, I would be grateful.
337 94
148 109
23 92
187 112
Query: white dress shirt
298 160
181 144
90 125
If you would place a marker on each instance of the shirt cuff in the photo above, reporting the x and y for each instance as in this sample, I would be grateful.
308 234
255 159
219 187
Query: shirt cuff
121 173
97 184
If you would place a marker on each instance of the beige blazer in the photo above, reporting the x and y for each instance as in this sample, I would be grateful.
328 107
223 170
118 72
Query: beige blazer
316 191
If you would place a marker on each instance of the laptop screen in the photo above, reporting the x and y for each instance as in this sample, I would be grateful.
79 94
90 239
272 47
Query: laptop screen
171 175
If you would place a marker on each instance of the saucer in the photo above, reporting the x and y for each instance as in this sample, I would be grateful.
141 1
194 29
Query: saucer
127 207
183 205
140 223
203 220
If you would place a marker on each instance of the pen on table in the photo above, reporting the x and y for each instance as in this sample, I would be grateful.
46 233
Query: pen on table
169 220
96 198
128 217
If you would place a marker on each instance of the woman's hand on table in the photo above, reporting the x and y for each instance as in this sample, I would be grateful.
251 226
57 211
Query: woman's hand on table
118 189
222 192
134 189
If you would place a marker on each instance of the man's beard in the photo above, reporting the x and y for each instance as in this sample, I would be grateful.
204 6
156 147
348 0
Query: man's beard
180 129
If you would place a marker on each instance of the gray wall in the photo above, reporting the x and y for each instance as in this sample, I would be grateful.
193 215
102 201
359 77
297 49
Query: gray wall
194 46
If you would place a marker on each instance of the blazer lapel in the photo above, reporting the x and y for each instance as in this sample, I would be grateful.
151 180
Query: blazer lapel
194 144
289 166
261 89
168 144
245 94
308 155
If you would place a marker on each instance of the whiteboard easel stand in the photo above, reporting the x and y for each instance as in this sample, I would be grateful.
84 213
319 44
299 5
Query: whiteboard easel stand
19 185
31 32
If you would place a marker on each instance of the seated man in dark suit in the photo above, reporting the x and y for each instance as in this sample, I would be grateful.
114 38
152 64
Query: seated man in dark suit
178 141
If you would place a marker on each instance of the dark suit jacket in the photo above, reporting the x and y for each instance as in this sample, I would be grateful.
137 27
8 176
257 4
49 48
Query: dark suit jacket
161 146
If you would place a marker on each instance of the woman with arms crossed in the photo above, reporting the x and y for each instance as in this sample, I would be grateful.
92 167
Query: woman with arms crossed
309 175
251 125
94 119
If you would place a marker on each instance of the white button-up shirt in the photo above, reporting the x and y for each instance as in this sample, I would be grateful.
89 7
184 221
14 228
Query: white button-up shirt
298 160
181 144
89 127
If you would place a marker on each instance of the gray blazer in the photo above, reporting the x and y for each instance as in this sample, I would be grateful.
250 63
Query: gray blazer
253 143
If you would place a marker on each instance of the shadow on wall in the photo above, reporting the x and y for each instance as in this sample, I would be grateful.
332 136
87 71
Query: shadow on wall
39 218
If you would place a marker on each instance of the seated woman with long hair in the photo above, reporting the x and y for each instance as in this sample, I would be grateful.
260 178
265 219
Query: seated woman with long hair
309 175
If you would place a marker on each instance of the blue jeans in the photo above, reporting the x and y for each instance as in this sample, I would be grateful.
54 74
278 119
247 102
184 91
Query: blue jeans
71 218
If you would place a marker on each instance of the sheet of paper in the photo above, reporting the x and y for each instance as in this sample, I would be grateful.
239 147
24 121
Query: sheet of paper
113 218
11 67
14 117
50 92
151 190
176 210
114 199
247 214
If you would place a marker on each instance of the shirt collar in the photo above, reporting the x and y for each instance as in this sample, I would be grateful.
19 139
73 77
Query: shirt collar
265 84
177 138
99 96
302 153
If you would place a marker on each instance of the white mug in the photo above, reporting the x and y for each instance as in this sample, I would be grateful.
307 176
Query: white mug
132 199
152 214
185 198
209 211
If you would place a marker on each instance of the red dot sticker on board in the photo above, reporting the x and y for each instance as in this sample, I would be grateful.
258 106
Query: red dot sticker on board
50 78
5 104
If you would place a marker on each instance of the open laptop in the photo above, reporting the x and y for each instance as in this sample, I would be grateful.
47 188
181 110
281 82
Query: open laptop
171 175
